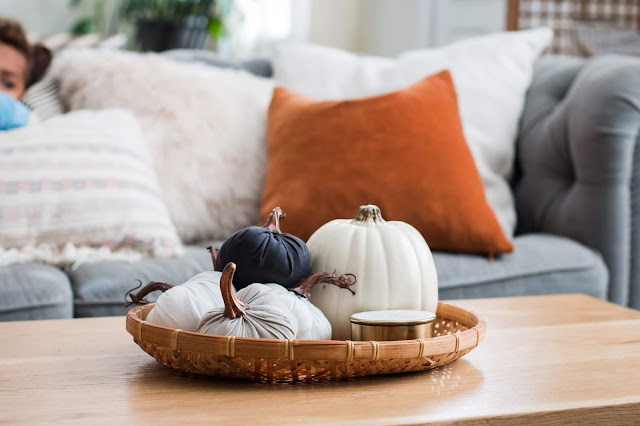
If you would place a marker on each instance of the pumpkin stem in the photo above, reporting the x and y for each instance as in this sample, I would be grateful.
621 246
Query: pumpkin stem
343 281
139 298
273 223
232 305
214 256
369 213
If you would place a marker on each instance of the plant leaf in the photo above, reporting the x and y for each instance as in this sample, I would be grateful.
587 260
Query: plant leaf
83 26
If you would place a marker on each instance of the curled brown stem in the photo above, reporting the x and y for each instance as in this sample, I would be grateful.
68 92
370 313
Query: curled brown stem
273 223
139 297
214 256
342 281
232 305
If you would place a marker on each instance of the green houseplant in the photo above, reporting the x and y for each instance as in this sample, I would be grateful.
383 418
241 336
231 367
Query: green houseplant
162 24
170 24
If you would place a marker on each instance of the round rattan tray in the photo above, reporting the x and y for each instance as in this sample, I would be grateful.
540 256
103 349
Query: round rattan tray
456 332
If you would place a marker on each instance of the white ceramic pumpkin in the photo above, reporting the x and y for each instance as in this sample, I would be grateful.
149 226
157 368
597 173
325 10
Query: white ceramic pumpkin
391 260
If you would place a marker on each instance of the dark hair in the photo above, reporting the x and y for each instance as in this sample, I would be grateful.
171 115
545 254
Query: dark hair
38 56
13 34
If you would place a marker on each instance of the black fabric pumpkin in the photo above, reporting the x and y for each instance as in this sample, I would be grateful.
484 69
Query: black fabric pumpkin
265 255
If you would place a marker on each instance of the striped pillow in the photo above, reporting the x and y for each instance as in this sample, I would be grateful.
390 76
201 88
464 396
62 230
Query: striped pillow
43 98
81 186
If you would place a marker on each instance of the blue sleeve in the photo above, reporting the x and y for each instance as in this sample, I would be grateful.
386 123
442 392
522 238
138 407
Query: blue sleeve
13 113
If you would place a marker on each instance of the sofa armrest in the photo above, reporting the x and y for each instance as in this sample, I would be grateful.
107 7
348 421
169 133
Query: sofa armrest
577 157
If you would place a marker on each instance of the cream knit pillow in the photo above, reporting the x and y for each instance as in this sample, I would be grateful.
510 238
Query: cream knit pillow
204 126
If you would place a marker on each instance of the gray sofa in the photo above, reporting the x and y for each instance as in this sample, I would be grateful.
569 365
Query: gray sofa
577 196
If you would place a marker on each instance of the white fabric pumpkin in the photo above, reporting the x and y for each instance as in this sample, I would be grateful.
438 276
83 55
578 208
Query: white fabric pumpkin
313 325
391 260
255 311
182 306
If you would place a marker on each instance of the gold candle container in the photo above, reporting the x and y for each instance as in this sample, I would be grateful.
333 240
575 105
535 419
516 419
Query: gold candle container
392 325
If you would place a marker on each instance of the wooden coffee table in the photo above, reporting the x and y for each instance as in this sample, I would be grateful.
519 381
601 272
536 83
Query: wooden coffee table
552 359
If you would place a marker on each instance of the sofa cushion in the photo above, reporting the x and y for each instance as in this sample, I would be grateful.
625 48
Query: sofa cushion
539 264
31 291
99 287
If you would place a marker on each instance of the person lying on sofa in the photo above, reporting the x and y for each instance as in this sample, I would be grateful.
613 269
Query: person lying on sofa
21 65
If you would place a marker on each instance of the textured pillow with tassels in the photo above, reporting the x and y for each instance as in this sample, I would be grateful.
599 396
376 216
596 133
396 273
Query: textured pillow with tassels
80 187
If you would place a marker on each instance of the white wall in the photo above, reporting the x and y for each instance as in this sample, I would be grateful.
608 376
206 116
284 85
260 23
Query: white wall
335 23
388 27
41 16
460 19
379 27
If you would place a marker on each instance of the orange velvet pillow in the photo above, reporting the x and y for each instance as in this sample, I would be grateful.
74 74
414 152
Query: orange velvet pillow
404 151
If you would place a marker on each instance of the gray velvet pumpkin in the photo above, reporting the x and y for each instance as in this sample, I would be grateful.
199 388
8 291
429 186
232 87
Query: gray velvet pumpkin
255 311
269 310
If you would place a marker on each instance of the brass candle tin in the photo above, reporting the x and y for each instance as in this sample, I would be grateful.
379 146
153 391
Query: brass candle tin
392 325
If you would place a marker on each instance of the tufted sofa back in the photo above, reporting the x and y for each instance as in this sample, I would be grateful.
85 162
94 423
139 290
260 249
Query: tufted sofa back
577 161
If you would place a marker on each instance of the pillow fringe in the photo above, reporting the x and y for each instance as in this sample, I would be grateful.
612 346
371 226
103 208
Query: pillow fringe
73 256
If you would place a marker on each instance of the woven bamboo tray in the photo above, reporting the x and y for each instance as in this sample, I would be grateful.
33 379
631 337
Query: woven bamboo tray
456 332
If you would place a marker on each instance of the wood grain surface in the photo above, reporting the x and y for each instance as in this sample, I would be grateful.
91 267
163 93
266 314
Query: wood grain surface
567 359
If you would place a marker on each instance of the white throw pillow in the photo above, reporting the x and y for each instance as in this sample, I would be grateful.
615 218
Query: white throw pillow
491 75
205 128
81 186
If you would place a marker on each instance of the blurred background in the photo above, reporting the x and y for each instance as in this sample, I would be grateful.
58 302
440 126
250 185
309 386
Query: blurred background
238 29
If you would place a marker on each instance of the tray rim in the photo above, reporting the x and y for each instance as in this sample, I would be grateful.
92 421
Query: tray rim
311 350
